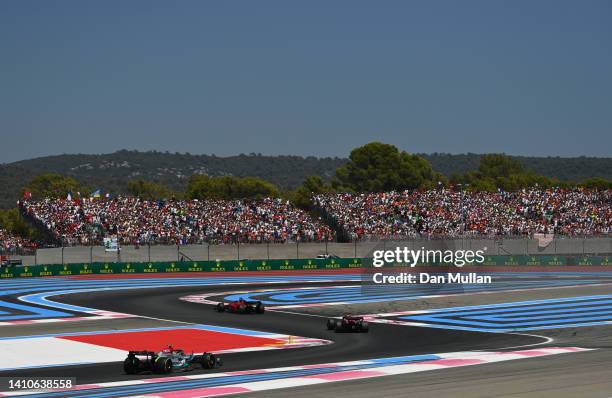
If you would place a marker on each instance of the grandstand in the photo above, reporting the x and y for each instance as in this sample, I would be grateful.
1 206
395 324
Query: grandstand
230 229
136 222
444 213
11 243
441 213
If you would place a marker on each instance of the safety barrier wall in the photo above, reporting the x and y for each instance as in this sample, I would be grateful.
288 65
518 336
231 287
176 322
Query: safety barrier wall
543 260
599 246
268 265
548 260
178 266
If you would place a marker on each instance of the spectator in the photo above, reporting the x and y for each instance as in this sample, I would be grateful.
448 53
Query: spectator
449 213
137 221
14 244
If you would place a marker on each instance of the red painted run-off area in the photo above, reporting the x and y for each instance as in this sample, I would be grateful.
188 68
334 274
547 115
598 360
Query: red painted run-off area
190 340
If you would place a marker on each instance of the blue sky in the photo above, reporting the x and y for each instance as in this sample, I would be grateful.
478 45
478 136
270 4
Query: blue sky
307 78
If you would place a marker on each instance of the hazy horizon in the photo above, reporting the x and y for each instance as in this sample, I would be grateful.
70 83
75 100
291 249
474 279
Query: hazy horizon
281 154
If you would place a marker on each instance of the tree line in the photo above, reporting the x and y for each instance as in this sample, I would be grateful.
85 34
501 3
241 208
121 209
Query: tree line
114 171
373 167
370 168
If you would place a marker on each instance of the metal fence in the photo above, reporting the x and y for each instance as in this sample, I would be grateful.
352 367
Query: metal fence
92 254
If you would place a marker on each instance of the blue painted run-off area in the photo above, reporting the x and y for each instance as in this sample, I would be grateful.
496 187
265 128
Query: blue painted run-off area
521 316
378 293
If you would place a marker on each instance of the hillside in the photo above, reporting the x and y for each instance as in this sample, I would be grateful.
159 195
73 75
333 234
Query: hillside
566 169
112 171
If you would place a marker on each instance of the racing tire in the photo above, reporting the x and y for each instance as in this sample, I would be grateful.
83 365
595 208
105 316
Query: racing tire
207 361
338 328
331 324
220 307
163 365
260 308
131 365
365 327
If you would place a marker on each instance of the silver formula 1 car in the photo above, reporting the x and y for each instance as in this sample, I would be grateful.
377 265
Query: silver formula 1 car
167 361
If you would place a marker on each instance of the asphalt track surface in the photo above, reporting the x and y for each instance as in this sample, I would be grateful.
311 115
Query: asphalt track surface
583 375
587 374
164 304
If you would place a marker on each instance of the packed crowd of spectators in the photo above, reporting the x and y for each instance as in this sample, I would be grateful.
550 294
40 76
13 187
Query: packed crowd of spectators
11 243
387 215
136 221
450 213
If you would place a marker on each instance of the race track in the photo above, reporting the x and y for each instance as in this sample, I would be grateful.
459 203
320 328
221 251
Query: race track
162 306
382 341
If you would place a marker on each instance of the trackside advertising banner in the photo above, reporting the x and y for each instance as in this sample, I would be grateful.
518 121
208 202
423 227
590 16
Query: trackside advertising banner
267 265
179 266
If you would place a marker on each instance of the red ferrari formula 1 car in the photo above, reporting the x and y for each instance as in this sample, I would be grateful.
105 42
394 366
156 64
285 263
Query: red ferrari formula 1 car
242 307
348 323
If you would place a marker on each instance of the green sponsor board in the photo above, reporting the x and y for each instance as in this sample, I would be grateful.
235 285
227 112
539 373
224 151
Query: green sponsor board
8 272
490 260
44 270
109 268
592 260
239 266
512 260
533 260
554 260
